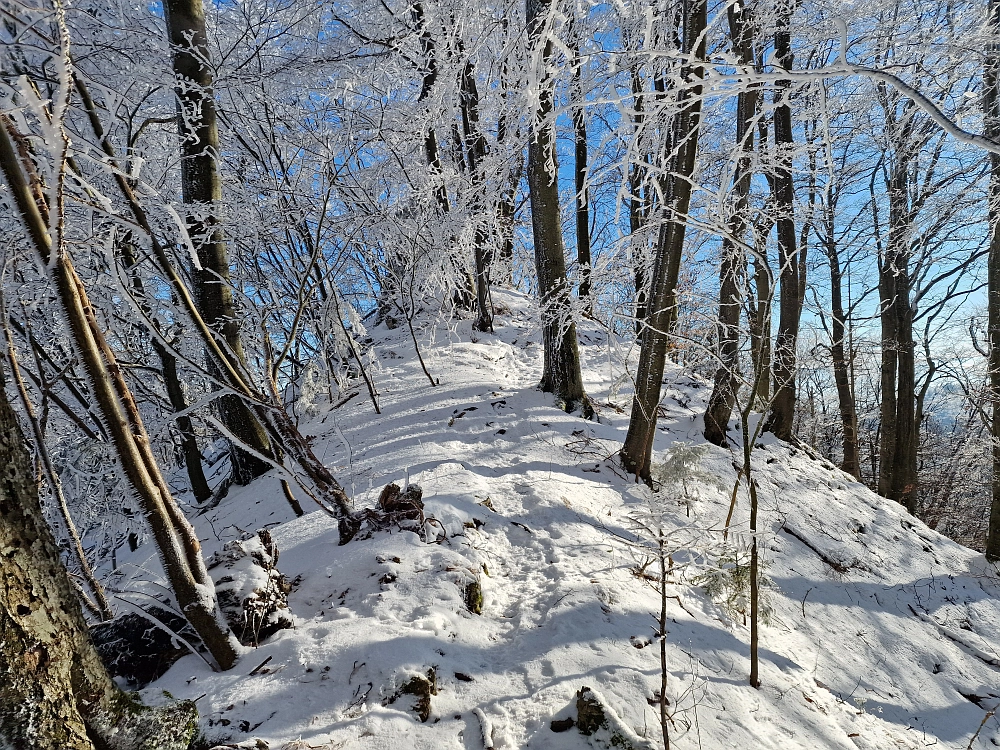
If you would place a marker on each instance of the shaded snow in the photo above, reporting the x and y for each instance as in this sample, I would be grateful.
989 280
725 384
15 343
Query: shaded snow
896 651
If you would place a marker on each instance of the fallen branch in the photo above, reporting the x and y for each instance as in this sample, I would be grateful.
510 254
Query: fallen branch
838 565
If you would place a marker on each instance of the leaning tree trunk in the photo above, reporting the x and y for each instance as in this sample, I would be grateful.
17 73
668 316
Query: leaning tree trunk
55 693
172 384
991 108
733 267
637 451
202 189
781 420
176 541
561 370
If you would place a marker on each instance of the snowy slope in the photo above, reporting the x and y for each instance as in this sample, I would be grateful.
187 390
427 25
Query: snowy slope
882 633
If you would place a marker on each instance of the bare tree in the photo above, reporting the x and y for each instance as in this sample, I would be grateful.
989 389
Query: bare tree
561 370
676 199
202 190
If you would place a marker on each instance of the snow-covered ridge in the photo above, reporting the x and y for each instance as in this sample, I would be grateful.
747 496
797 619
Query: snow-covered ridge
882 634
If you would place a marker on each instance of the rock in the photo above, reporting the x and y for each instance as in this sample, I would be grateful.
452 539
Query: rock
253 595
561 725
421 688
402 504
473 596
598 721
589 712
137 649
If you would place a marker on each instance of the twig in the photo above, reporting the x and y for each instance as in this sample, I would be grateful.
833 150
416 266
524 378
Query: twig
260 666
989 715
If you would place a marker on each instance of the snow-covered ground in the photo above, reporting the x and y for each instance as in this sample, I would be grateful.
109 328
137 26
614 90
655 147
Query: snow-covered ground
882 633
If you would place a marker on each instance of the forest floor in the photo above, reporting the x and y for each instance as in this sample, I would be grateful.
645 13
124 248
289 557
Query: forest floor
882 633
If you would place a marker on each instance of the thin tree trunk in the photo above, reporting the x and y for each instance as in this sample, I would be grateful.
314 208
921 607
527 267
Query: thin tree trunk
732 270
638 209
637 451
429 75
851 463
561 370
580 173
760 316
898 444
477 155
782 417
202 188
175 392
991 108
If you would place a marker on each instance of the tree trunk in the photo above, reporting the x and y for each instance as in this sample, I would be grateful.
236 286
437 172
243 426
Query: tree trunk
898 442
782 417
202 188
580 173
477 155
175 393
733 267
851 463
637 451
638 209
561 371
55 693
991 108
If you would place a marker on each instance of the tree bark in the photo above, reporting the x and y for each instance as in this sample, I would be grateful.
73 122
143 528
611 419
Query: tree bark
637 451
991 108
851 463
898 440
732 269
55 693
202 189
580 173
781 420
561 370
477 155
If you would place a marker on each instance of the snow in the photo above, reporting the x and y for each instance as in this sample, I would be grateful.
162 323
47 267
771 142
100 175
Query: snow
886 644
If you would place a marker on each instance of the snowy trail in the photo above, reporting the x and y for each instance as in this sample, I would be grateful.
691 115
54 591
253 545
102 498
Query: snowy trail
882 632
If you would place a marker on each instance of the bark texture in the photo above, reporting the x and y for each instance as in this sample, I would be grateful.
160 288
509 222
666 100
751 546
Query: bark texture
991 107
202 190
732 270
637 451
561 371
781 420
54 691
